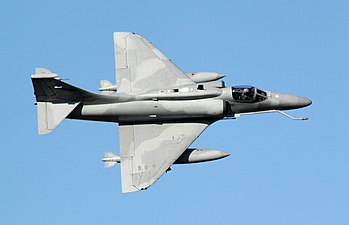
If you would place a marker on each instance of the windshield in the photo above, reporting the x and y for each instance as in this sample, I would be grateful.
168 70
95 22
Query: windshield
245 93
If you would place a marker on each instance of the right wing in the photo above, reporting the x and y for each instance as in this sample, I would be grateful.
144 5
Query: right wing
140 66
148 150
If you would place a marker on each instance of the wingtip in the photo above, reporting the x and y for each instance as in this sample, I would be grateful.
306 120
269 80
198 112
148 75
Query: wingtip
123 34
130 189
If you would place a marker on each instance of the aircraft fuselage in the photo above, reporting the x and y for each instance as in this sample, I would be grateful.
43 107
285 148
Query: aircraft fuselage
189 103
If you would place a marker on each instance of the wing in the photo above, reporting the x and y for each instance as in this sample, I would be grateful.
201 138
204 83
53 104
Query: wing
140 66
148 150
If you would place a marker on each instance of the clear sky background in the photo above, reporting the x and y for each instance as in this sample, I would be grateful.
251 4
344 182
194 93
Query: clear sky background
280 171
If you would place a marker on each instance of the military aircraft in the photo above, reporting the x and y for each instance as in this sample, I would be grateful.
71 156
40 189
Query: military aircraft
160 109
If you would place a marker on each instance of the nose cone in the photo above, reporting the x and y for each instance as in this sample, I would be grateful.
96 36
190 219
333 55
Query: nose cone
303 102
292 102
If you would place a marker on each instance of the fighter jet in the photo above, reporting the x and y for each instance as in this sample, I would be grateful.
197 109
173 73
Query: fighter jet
160 110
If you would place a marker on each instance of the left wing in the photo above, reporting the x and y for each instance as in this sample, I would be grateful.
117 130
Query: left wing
140 66
148 150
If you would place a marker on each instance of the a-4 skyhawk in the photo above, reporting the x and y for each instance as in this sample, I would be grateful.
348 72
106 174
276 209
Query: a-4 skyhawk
160 109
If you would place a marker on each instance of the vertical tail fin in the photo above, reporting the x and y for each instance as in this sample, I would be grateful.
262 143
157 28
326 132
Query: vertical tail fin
55 99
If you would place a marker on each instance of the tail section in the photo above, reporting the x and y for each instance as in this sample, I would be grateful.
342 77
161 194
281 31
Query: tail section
49 87
50 115
55 99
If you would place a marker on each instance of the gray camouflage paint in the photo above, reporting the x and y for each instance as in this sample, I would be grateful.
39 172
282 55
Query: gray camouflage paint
160 109
140 66
148 150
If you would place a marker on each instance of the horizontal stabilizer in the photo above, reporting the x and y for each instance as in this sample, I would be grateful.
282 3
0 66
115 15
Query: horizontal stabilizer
51 114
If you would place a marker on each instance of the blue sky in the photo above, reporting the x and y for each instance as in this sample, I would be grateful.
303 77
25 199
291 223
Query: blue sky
280 171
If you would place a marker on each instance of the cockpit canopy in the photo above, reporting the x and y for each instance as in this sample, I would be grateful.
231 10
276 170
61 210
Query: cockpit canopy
246 93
